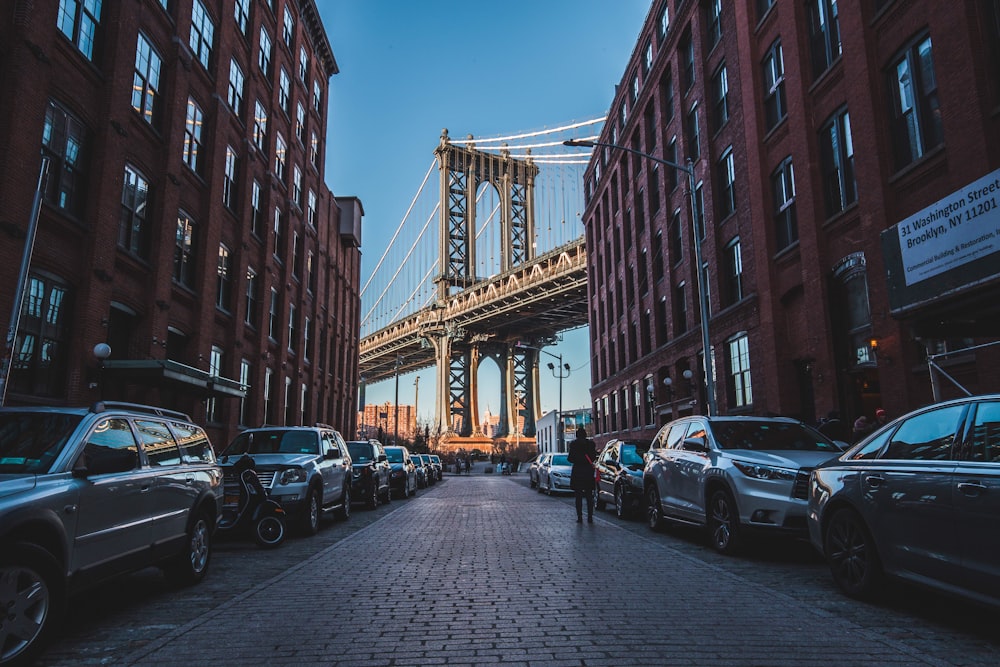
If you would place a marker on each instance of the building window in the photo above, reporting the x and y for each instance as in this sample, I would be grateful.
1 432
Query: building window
680 309
303 64
314 149
311 211
259 126
224 284
146 82
185 249
288 28
786 228
727 184
264 55
78 20
245 372
192 136
916 111
289 407
252 314
306 338
242 16
38 361
292 332
763 7
296 255
734 273
664 21
740 384
279 236
774 86
269 396
671 155
311 272
256 211
133 226
64 143
693 138
272 315
236 80
687 64
658 270
280 154
676 238
229 179
214 370
699 211
297 186
720 92
837 160
647 62
202 33
317 97
713 11
824 34
635 87
667 93
284 91
300 123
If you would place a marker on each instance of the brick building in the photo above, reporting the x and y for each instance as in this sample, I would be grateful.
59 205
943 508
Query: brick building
185 221
821 134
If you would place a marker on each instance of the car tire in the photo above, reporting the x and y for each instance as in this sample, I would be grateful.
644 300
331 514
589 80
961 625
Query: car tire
371 502
269 531
388 494
723 523
599 504
620 510
29 572
344 511
654 513
313 511
851 555
190 565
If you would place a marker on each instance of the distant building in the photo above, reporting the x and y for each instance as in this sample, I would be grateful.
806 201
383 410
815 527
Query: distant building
846 160
381 418
185 220
547 429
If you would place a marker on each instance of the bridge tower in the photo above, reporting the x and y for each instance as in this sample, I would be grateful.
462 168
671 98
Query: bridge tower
463 169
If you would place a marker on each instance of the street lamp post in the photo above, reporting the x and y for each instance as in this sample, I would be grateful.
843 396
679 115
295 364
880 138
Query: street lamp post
688 169
395 419
559 425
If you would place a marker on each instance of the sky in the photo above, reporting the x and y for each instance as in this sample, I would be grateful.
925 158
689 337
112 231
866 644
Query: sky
409 68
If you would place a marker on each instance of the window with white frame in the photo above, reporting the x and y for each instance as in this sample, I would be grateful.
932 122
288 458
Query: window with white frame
740 383
64 142
317 97
259 126
264 54
192 136
311 209
272 315
146 81
280 155
727 184
284 91
720 92
292 330
224 278
288 28
251 316
256 210
297 186
836 151
280 238
242 16
229 179
713 12
215 370
303 64
824 34
300 123
245 371
236 81
733 292
916 109
185 250
783 198
774 86
133 225
202 34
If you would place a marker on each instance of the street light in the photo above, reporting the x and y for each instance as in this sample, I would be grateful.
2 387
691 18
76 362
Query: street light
688 169
559 424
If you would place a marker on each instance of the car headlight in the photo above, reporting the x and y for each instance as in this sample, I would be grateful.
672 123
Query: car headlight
758 471
292 476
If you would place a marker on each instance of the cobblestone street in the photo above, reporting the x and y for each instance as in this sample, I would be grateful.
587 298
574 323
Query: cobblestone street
482 570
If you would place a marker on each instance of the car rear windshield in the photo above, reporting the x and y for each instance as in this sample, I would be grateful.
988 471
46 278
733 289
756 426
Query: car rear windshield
394 455
560 460
632 454
770 436
273 442
361 452
31 441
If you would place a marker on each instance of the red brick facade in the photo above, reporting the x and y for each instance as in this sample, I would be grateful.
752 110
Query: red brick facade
811 100
112 266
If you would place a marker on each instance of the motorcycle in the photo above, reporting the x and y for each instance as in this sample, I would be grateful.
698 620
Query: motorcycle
253 511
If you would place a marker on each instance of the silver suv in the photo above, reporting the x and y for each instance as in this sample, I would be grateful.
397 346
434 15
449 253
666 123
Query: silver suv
305 468
86 494
733 475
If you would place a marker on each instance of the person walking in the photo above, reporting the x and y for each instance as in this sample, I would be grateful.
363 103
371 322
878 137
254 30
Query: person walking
582 453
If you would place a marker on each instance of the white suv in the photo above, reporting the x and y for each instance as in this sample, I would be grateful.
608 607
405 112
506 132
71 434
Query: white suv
86 494
305 468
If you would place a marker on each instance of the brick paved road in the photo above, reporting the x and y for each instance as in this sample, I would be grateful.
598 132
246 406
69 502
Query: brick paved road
481 570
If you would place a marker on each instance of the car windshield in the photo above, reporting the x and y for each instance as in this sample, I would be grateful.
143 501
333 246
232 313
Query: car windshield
632 455
31 441
361 452
560 460
770 436
273 442
394 455
416 461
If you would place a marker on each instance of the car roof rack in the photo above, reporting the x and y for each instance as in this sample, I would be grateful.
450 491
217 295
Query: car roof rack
103 406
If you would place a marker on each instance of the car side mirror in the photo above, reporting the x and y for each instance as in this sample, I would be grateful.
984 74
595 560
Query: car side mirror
331 454
695 445
382 458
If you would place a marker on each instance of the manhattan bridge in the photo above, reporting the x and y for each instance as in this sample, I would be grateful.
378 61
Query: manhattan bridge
488 262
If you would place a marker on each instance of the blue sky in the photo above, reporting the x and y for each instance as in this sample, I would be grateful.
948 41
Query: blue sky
410 68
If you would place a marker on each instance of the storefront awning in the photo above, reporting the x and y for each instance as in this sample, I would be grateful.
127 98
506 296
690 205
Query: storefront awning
165 372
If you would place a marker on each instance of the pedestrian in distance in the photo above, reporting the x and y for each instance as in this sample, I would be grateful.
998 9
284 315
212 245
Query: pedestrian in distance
582 453
881 418
862 427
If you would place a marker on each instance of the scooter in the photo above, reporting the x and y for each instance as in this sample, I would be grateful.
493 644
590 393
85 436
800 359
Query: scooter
254 512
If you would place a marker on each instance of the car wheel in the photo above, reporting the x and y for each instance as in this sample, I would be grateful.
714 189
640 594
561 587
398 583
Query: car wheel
269 532
311 517
31 596
191 564
598 503
654 513
388 494
532 482
850 551
620 510
723 523
372 500
344 513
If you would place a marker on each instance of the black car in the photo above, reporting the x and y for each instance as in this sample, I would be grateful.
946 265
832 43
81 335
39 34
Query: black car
371 472
619 477
403 478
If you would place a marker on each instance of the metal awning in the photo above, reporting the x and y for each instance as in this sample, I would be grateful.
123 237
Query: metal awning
165 372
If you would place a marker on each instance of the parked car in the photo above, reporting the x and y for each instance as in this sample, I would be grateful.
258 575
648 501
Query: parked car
553 474
533 468
86 494
305 468
619 477
421 469
733 475
438 466
371 472
919 500
432 474
403 475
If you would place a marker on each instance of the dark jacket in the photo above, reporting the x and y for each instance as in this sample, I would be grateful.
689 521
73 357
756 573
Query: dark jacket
582 476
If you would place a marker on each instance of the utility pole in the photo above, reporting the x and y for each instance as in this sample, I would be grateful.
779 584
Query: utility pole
416 403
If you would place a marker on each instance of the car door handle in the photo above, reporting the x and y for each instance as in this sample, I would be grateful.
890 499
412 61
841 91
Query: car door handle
189 480
874 481
972 489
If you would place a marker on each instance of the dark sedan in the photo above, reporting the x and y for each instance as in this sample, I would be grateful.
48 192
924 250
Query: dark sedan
371 472
619 477
403 478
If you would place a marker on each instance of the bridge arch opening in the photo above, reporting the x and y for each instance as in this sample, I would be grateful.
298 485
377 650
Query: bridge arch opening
489 230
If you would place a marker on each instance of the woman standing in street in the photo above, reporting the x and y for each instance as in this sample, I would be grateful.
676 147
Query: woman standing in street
582 453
